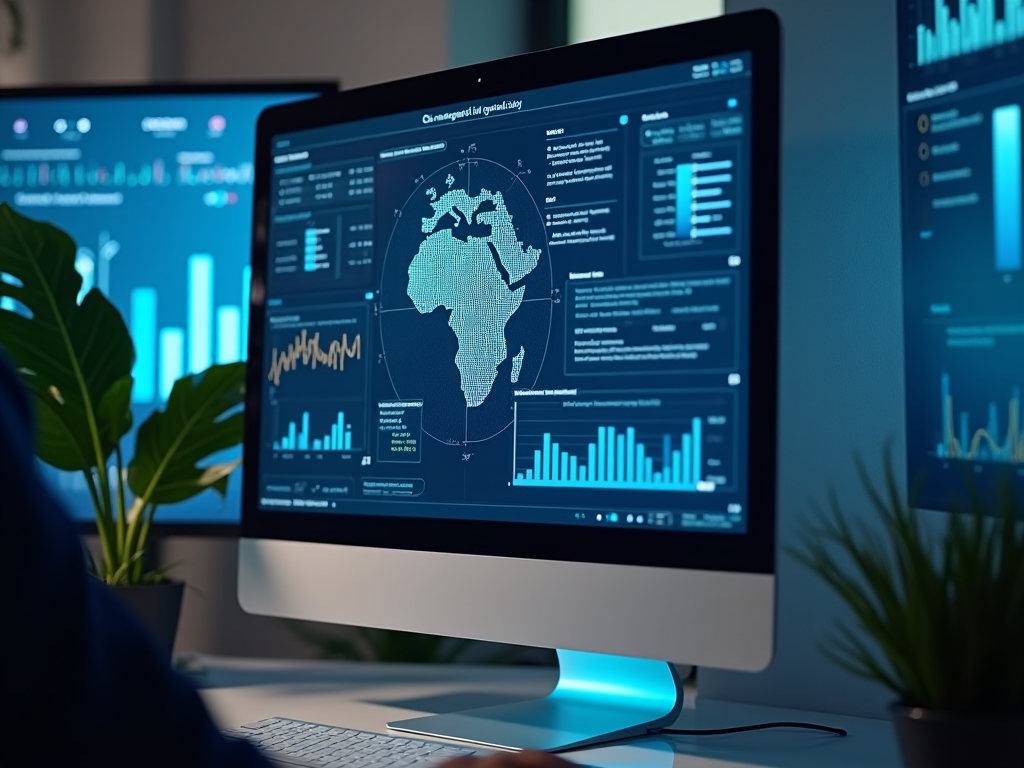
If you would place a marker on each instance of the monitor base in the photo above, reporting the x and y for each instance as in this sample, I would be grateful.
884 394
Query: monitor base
598 698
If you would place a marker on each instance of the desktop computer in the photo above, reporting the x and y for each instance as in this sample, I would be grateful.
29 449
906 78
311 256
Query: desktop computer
512 367
154 184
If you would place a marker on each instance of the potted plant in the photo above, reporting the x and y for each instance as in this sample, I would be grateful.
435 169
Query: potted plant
76 359
939 612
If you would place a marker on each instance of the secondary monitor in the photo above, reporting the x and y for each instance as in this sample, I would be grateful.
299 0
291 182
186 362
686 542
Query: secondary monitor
154 185
961 96
512 366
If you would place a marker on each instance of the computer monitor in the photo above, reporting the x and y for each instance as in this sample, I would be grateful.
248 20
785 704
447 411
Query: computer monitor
154 184
961 96
512 367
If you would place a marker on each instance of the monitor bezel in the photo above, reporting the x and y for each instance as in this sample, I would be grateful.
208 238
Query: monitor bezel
756 32
228 88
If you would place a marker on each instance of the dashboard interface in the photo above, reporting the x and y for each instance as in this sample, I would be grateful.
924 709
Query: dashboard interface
156 191
962 91
532 308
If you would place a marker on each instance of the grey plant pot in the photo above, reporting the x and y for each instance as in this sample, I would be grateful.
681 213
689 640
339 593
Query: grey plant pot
930 739
158 607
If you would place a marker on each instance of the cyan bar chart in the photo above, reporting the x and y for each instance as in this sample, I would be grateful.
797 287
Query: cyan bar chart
1006 187
163 355
200 312
172 359
974 28
662 450
690 200
144 333
337 436
617 460
229 334
701 197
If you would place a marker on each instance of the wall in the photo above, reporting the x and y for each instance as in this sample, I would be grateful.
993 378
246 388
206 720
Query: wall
841 346
360 42
102 41
93 41
593 19
486 31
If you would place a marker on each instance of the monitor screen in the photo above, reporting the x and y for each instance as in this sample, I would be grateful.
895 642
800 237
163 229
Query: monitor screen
156 191
533 308
961 96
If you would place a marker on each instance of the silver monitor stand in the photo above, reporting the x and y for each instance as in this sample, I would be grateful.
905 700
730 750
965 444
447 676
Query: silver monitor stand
598 698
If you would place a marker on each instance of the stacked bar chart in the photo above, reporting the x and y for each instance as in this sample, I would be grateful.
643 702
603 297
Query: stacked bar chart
975 27
668 454
211 334
990 443
337 437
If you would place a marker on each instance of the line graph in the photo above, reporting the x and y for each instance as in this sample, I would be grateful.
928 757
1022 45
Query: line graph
984 443
306 350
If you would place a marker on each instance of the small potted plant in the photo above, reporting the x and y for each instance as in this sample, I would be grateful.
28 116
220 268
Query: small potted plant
76 359
939 611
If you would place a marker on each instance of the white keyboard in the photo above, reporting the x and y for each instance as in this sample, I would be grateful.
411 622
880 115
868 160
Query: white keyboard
295 742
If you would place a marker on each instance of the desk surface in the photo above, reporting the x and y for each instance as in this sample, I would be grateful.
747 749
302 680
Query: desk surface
366 696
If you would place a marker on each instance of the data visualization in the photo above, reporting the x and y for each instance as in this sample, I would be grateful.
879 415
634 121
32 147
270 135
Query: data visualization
962 92
156 191
534 308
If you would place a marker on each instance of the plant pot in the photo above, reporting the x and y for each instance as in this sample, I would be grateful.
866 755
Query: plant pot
158 607
930 739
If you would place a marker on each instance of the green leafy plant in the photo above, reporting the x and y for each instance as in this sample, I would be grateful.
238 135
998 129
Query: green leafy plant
76 358
944 609
16 35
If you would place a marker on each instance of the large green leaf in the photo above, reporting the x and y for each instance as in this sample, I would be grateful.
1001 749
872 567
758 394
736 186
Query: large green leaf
202 418
69 354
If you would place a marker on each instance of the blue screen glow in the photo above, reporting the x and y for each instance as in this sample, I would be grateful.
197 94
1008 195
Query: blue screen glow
156 191
961 92
534 307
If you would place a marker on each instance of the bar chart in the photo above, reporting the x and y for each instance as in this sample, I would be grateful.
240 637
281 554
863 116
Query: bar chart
1006 187
337 437
66 175
699 199
211 333
989 443
693 197
623 448
974 27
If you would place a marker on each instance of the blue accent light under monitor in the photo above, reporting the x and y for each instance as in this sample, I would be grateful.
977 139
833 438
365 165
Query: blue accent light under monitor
732 103
598 697
623 119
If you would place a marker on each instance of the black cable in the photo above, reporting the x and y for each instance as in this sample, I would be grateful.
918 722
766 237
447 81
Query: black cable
741 728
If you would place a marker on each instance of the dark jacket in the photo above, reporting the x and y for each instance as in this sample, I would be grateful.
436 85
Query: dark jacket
82 682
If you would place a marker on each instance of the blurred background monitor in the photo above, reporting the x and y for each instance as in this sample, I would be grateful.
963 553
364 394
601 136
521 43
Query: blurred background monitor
154 184
961 93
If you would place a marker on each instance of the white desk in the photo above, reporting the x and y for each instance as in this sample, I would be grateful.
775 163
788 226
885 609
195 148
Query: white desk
366 696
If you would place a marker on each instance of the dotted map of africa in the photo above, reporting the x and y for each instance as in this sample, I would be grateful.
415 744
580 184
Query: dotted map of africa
463 276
